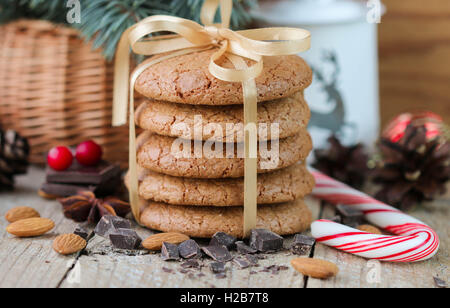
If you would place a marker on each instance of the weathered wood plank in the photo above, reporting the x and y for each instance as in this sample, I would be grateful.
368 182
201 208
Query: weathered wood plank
32 262
358 272
102 267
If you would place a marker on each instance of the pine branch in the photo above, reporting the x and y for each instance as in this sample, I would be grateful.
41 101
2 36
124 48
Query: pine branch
104 21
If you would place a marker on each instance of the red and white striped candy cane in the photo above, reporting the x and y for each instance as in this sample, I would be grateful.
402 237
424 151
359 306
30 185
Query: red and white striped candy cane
415 241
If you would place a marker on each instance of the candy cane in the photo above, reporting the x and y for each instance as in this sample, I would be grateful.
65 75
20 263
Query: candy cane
416 240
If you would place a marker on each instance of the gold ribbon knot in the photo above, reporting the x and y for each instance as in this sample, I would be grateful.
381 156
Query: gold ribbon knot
192 37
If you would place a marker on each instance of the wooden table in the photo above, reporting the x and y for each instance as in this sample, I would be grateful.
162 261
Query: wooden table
33 263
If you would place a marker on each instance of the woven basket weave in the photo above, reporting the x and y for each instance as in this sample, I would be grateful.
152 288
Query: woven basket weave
55 90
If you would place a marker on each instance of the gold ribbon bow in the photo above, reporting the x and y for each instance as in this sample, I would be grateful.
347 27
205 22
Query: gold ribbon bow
192 37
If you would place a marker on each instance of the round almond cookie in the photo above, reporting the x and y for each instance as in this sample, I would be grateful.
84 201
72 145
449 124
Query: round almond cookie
284 185
186 79
277 119
285 218
197 159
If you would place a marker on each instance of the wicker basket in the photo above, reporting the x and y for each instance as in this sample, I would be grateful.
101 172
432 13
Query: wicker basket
55 90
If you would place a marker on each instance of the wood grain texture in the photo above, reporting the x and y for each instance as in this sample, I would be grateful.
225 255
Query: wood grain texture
33 263
415 58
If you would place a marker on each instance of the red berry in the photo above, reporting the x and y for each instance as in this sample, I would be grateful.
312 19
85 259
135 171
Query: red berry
60 158
89 153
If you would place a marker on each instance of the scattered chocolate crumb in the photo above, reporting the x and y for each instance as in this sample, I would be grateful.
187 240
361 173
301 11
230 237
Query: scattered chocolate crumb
439 282
241 262
221 276
349 216
167 270
217 267
200 275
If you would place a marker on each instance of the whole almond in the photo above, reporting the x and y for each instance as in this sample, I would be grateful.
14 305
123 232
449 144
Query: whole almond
369 229
67 244
30 227
155 241
21 212
315 268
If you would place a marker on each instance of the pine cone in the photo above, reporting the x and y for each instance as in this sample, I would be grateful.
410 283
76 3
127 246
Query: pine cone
414 169
14 152
346 164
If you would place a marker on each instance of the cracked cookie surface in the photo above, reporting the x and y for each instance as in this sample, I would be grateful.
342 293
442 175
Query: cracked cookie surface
283 185
177 157
285 218
223 123
186 79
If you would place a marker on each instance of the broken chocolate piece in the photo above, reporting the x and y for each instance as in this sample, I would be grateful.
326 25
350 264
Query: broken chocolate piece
349 215
439 282
81 232
241 262
244 248
265 240
217 267
218 253
125 239
79 174
302 244
109 224
189 249
169 252
221 238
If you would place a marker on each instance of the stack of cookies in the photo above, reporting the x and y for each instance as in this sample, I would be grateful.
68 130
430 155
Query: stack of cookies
190 155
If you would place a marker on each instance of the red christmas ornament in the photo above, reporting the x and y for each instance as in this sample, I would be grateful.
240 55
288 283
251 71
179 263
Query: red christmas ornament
60 158
89 153
433 123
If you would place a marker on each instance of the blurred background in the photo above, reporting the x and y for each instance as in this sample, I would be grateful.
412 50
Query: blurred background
56 63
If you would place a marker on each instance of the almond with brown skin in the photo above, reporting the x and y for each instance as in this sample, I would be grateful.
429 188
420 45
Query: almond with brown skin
30 227
155 241
315 268
369 229
67 244
21 212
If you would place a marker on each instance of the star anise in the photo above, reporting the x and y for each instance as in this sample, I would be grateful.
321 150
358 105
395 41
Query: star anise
85 206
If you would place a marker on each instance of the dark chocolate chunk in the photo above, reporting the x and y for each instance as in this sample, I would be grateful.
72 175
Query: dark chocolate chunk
81 232
265 240
190 264
169 252
221 238
217 267
218 253
241 262
439 282
244 249
349 215
109 224
302 244
189 249
125 239
79 174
